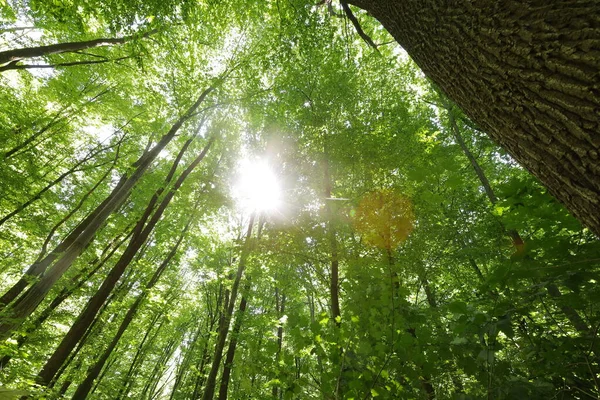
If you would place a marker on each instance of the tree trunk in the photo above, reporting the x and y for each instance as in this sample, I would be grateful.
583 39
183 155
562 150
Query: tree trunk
69 252
209 390
334 285
140 354
525 72
237 326
141 233
79 204
183 367
76 283
59 179
280 308
16 55
84 387
39 267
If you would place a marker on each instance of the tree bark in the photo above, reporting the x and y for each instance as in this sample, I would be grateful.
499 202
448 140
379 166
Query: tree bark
280 308
140 354
334 283
525 72
76 283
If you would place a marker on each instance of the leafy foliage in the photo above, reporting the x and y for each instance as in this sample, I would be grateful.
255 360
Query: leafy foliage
382 206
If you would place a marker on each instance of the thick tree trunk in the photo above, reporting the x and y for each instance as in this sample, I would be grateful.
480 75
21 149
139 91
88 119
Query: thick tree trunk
525 72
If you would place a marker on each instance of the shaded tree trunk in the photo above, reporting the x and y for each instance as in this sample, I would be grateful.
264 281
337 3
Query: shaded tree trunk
280 308
184 367
38 268
77 282
118 294
334 283
525 72
140 354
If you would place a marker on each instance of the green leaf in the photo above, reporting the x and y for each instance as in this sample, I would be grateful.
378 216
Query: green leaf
458 307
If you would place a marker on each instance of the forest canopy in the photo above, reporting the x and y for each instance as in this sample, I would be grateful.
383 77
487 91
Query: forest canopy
271 200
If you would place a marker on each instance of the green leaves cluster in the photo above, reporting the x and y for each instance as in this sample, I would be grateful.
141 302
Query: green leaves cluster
455 308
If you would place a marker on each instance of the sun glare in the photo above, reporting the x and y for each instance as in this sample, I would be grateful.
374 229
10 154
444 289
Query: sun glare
257 187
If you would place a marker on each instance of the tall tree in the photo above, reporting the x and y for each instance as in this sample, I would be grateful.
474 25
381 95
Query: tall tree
526 73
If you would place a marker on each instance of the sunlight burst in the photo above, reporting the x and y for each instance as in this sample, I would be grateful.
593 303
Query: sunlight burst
257 188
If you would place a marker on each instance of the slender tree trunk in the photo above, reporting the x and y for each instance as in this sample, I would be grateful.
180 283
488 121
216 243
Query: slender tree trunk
14 64
101 376
553 290
83 199
183 368
15 55
77 283
53 122
485 183
85 386
140 235
121 290
525 72
159 367
204 360
27 303
280 307
221 304
139 355
428 292
334 284
40 193
38 268
209 389
237 326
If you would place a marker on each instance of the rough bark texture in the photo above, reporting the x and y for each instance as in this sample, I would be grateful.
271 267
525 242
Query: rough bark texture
527 72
